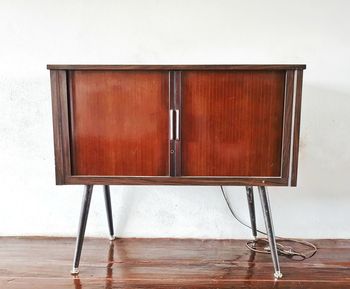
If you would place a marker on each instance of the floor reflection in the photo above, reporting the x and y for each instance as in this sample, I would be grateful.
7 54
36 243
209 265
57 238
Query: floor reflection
77 282
109 274
109 277
251 265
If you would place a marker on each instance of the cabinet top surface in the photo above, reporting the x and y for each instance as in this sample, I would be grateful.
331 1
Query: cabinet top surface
177 67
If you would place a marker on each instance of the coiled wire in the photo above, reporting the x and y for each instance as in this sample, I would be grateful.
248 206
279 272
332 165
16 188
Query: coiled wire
284 250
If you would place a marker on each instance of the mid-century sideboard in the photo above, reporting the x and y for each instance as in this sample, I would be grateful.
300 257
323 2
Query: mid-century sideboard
232 125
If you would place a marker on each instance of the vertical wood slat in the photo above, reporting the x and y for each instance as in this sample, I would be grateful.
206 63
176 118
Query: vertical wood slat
287 123
71 124
57 132
172 147
60 124
296 132
65 121
175 104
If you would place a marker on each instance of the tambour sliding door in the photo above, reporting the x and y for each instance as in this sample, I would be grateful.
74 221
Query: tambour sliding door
232 123
119 123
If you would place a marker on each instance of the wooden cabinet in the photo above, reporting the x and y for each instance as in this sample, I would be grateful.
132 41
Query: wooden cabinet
177 125
200 125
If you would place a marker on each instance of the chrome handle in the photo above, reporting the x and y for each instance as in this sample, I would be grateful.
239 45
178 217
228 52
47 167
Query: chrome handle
177 133
171 123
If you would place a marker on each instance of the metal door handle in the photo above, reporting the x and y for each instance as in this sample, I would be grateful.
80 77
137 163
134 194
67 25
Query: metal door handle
177 128
171 124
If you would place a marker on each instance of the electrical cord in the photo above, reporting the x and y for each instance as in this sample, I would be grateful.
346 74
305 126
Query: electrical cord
284 250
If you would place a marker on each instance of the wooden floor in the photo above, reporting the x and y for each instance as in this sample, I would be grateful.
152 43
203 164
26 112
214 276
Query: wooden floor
38 263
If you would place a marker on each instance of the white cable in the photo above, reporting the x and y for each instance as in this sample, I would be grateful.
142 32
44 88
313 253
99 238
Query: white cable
282 249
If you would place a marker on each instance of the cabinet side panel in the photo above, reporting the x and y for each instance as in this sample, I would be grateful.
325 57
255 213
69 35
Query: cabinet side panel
232 123
119 123
288 124
57 128
296 133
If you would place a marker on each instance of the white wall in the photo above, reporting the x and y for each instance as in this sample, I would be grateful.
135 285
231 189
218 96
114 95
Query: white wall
35 33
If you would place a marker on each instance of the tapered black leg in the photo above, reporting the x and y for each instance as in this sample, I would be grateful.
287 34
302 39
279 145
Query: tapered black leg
109 212
270 231
85 206
251 206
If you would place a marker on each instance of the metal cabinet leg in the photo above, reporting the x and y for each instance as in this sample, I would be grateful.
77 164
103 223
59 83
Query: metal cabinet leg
251 206
270 231
85 206
109 211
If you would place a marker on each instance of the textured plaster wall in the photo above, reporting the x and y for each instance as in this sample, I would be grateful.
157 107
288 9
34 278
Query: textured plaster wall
34 33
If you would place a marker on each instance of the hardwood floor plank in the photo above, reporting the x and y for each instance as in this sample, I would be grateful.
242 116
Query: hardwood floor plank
165 263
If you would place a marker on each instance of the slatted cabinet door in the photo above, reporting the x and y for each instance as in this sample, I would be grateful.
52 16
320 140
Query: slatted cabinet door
232 123
119 123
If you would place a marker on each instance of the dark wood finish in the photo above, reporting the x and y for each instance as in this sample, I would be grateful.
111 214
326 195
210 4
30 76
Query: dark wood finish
57 131
66 141
120 123
178 67
165 263
297 118
172 141
84 157
178 122
287 119
61 126
232 123
200 181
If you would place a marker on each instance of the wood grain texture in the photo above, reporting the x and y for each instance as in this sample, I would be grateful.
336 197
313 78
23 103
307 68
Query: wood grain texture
119 123
287 119
296 132
60 125
232 123
57 127
175 106
165 263
66 142
172 125
193 181
177 67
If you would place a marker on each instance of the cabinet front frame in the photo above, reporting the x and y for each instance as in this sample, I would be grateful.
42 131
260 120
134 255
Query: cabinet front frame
290 138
